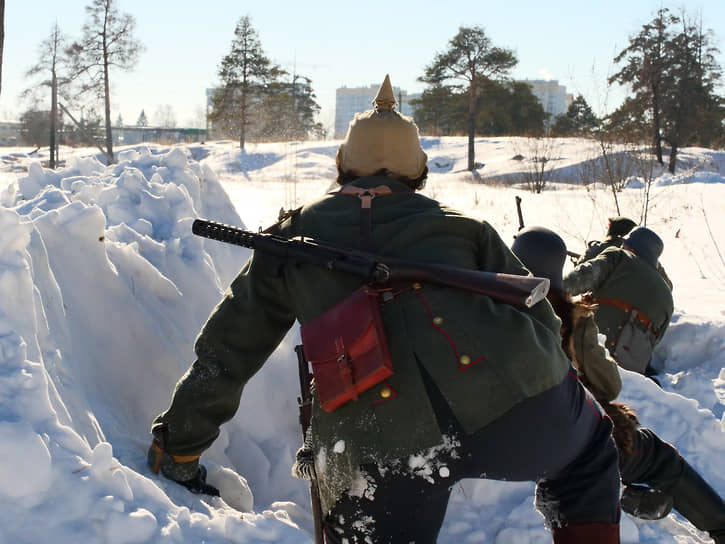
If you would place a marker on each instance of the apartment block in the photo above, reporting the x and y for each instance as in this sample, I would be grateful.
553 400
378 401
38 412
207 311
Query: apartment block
352 100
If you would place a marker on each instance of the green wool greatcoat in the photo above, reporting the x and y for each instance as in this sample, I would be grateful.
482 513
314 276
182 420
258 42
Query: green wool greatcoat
484 357
620 274
595 247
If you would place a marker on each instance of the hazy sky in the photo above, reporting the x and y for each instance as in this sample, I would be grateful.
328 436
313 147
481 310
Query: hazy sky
339 44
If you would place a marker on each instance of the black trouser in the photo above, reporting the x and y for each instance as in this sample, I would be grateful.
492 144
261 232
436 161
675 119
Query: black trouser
560 439
653 462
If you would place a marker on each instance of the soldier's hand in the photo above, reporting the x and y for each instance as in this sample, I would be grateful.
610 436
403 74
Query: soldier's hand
198 484
304 466
645 502
182 469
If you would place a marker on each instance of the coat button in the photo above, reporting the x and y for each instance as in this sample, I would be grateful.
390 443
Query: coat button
416 286
465 360
385 392
437 320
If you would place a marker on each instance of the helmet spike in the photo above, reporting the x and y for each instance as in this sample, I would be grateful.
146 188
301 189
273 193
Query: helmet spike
385 99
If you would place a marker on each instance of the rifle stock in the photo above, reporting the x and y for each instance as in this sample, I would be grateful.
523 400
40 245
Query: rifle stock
305 406
522 291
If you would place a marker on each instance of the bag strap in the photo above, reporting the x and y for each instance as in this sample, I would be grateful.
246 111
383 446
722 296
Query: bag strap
628 308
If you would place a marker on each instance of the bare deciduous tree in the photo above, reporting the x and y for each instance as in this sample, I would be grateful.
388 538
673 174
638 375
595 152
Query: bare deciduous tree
164 116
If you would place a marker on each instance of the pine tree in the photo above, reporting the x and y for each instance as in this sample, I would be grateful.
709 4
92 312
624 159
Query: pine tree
244 73
53 68
670 66
578 120
470 56
2 37
142 121
108 41
288 110
501 108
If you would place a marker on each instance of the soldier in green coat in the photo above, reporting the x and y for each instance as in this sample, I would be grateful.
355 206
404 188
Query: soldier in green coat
634 302
656 477
478 387
617 229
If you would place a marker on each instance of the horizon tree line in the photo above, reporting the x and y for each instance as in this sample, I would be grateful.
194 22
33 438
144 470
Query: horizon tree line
669 66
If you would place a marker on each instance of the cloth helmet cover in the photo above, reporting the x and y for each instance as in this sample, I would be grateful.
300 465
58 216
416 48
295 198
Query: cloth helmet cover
382 138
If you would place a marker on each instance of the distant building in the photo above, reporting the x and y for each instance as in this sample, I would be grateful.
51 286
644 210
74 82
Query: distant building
129 135
352 100
10 133
552 96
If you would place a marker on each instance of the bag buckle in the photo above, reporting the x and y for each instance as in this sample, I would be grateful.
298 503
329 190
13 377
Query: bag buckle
344 368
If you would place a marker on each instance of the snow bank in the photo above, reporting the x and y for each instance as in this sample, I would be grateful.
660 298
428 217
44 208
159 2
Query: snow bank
102 291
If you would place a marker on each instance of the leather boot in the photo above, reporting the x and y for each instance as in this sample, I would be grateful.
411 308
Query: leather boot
699 503
587 533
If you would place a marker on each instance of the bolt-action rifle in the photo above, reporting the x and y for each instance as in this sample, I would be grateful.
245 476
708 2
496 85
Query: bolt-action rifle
305 404
521 291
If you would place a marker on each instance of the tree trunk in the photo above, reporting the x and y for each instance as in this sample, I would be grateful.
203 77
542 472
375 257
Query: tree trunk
656 139
2 38
472 126
107 97
673 158
53 118
243 122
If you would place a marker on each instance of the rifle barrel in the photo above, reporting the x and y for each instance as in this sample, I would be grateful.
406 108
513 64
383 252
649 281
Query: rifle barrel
522 291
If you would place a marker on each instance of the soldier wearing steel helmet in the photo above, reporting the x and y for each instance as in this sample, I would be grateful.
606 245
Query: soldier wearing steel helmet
634 302
478 387
617 228
655 475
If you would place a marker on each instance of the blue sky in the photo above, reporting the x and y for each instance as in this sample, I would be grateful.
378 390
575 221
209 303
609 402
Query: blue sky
340 43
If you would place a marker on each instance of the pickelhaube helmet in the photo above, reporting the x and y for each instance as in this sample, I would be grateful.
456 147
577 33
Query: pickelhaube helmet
543 252
646 244
619 226
382 138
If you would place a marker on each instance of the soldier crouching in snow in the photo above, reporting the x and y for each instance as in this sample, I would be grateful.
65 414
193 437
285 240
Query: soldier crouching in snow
477 387
617 229
634 301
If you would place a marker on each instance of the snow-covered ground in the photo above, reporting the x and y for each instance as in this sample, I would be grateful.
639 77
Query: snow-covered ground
103 289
